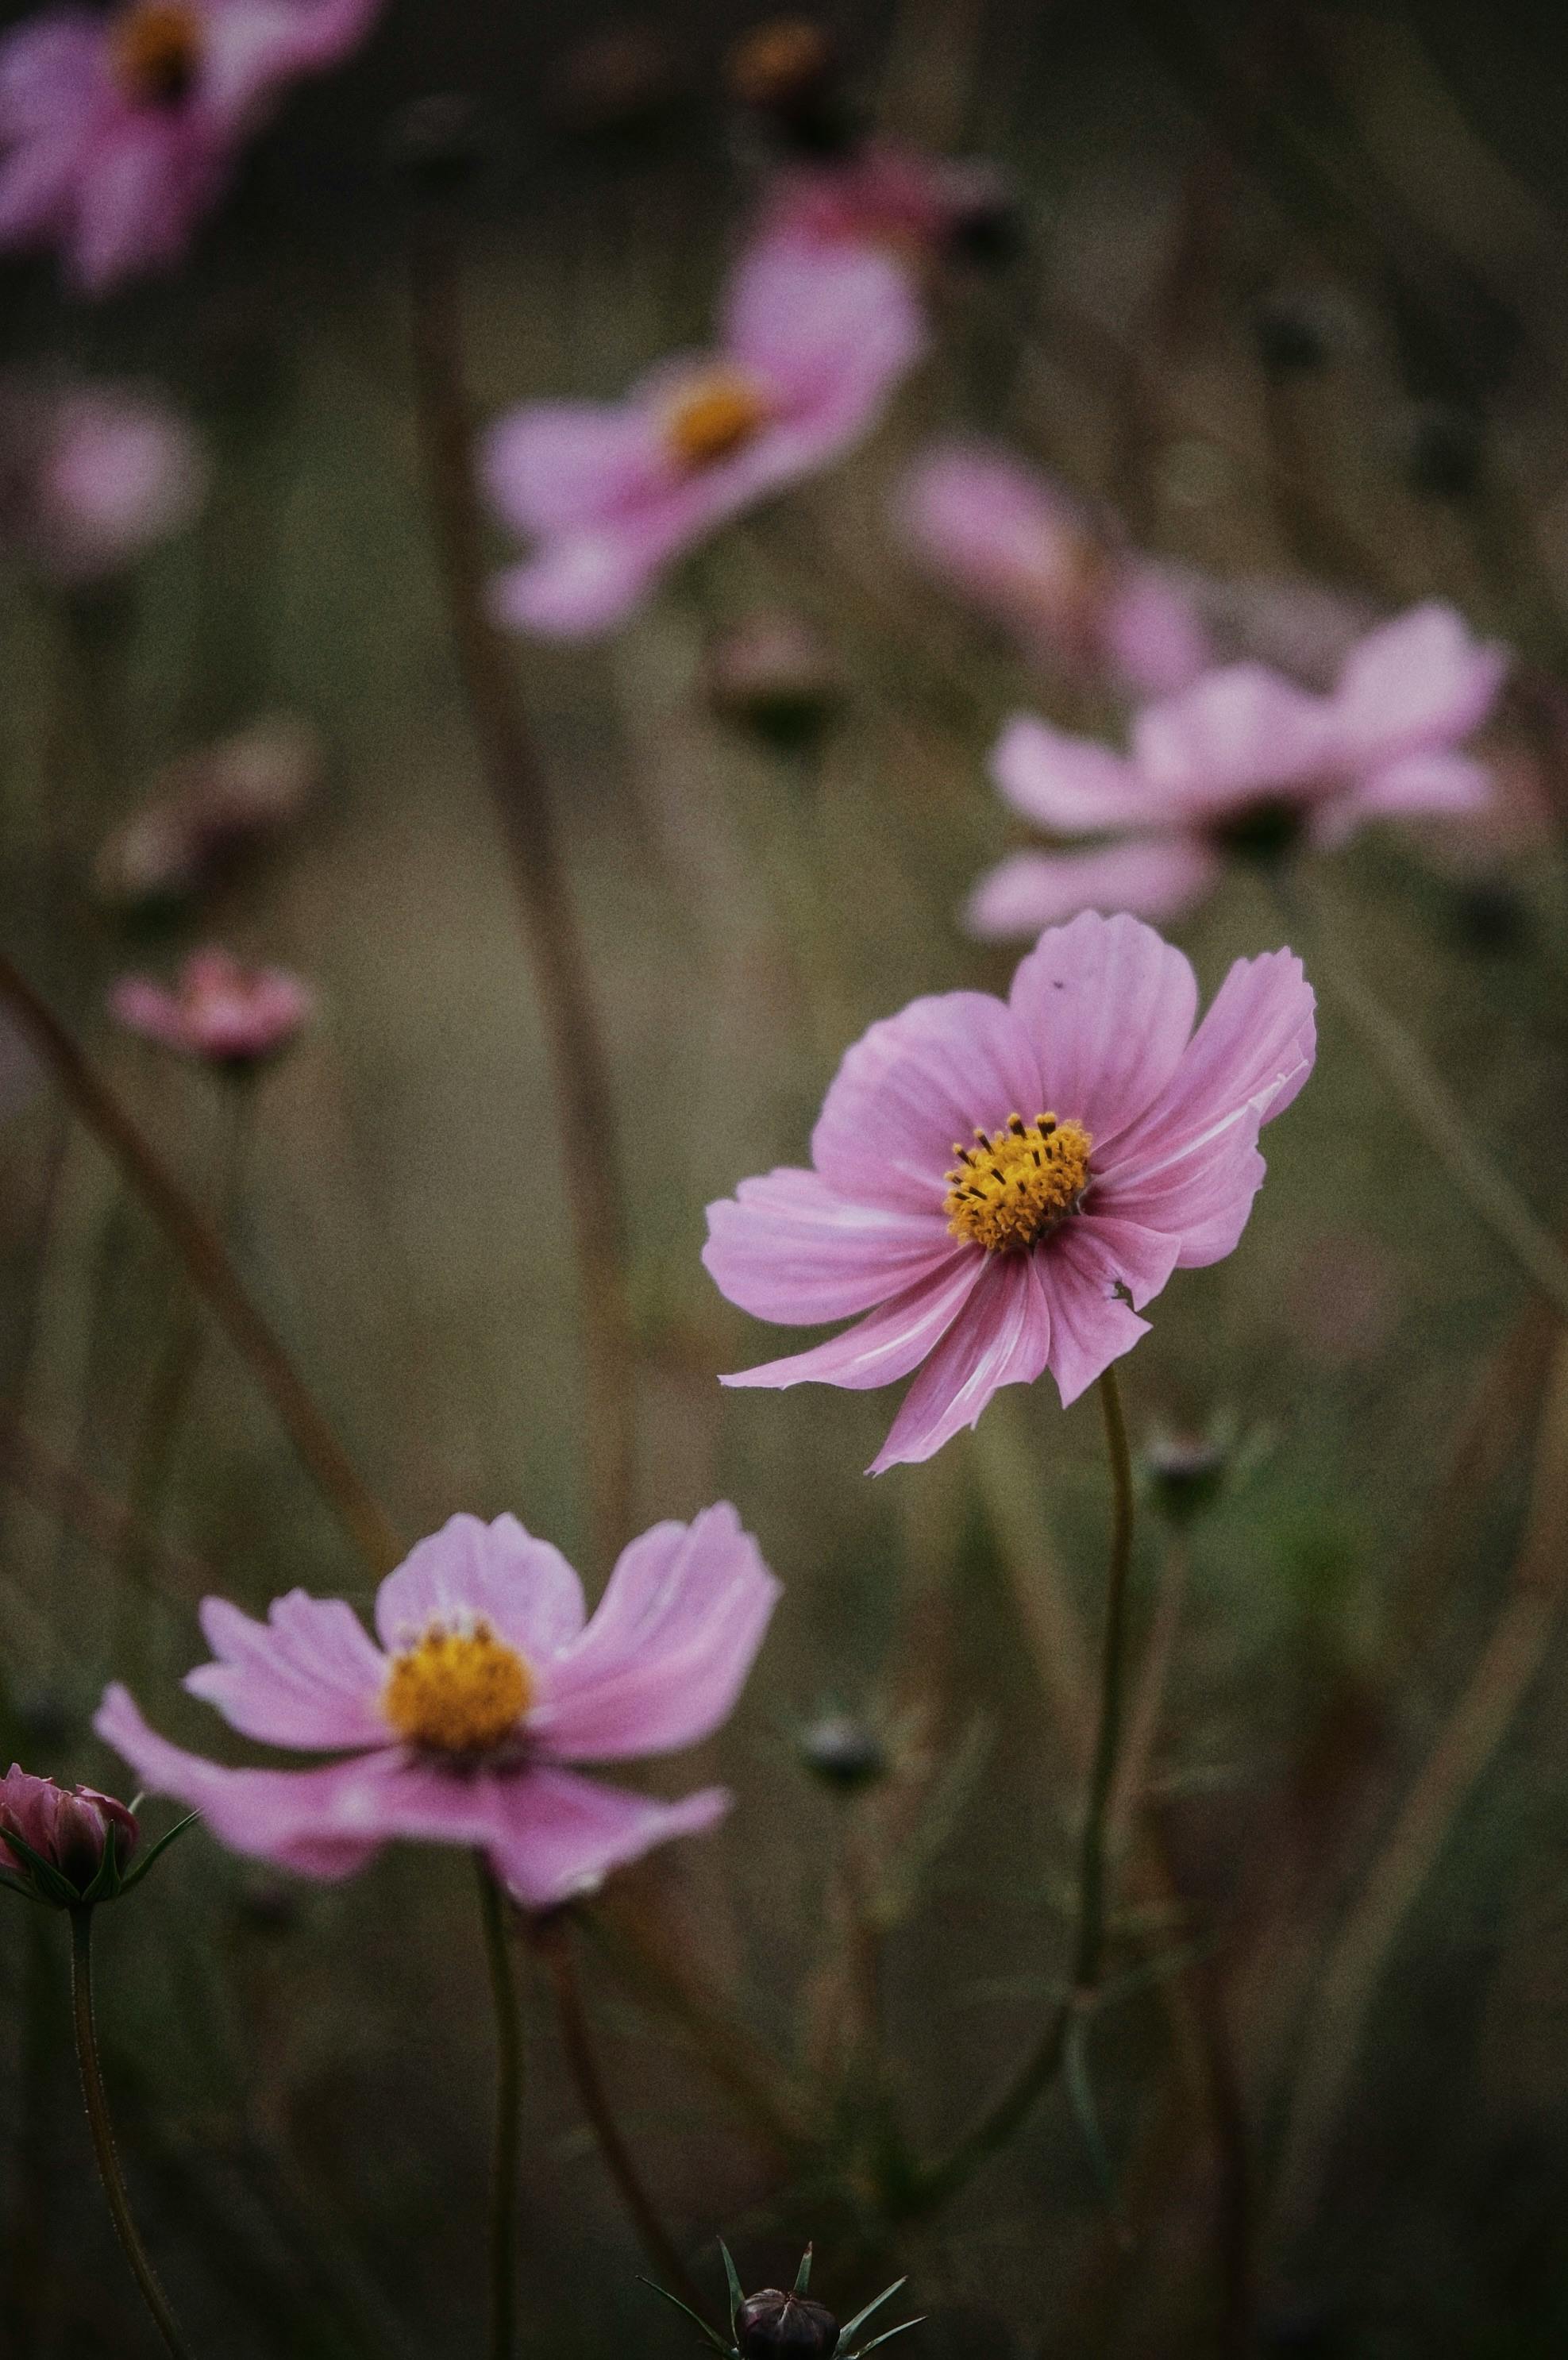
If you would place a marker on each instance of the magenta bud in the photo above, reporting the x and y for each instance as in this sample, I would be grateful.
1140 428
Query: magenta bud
58 1844
771 2324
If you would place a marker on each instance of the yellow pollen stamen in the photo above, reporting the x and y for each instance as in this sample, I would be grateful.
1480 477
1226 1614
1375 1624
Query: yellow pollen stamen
1015 1186
457 1691
715 417
156 49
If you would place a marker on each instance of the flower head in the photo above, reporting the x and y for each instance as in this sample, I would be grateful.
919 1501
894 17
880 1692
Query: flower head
221 1011
999 1187
117 130
457 1722
63 1844
611 493
209 808
1244 761
91 476
915 207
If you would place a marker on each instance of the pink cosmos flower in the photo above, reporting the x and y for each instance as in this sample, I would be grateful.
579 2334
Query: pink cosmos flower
487 1682
998 1186
1023 550
812 343
1244 761
911 204
66 1825
117 129
91 476
220 1010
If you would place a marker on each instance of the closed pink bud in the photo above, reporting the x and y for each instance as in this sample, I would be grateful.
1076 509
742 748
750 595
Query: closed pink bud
65 1828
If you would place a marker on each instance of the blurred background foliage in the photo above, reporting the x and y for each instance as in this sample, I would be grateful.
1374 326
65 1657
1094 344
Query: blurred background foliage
1289 296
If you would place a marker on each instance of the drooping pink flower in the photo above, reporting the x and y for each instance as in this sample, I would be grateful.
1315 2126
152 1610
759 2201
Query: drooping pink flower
1244 761
610 493
117 130
67 1827
460 1725
999 1185
1023 550
91 476
221 1009
908 203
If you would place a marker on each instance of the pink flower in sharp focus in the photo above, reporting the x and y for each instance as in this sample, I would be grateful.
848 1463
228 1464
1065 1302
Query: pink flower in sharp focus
1244 761
998 1185
1024 551
901 200
611 492
220 1009
117 130
460 1725
91 476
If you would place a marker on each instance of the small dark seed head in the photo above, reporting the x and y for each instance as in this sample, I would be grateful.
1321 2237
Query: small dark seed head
771 2324
843 1753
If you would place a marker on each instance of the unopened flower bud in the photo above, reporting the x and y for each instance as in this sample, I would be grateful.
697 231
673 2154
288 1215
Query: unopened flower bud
1186 1474
843 1752
64 1845
221 1011
771 2324
208 810
773 673
987 226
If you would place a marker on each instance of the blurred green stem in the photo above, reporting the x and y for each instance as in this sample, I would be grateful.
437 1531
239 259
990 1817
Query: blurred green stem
505 2204
103 2136
1009 2112
208 1267
578 1065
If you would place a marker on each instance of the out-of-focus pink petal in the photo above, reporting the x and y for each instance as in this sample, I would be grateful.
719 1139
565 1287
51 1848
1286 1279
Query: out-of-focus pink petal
1253 1051
1232 734
134 207
117 473
1073 784
1110 1007
1002 533
1001 1337
497 1573
833 325
251 47
49 72
559 1835
1090 1323
1420 786
145 1007
579 586
942 1069
786 1248
1416 684
308 1675
555 465
1154 876
1155 639
36 182
669 1649
888 1343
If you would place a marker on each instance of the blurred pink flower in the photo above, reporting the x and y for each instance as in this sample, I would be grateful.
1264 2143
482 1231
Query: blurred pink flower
1111 1146
91 476
813 344
66 1825
1244 761
1023 550
117 130
221 1009
909 203
486 1682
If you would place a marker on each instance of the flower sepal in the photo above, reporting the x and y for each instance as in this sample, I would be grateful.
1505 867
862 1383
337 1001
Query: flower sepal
71 1847
773 2321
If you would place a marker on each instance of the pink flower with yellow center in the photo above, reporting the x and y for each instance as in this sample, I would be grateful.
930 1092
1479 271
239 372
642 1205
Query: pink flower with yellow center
611 493
999 1186
1244 762
117 130
459 1722
221 1009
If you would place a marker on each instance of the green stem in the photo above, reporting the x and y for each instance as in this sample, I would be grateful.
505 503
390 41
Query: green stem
505 2208
103 2136
1012 2109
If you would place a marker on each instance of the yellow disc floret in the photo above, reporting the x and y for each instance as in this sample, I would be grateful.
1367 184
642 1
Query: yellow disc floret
1013 1185
155 49
457 1691
715 417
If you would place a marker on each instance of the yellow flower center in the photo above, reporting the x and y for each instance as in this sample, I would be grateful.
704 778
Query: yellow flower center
156 49
715 417
457 1691
1011 1188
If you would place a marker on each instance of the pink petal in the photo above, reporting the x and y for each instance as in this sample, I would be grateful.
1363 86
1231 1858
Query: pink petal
37 179
1240 731
1001 1337
1002 533
1073 785
836 326
579 586
668 1651
1157 877
1090 1325
1197 1196
556 465
136 203
1110 1007
942 1069
1140 1256
252 47
145 1007
1417 786
471 1571
1418 684
1250 1054
50 73
1155 641
308 1675
559 1835
888 1343
786 1248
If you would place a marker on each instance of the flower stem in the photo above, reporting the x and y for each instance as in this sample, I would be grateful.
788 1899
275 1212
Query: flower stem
578 1065
208 1267
103 2136
504 2211
554 1940
1012 2109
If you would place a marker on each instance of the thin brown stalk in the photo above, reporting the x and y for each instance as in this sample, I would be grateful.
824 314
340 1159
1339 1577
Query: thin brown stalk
1149 1696
208 1267
578 1065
